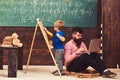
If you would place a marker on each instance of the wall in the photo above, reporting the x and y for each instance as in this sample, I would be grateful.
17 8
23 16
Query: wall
111 32
40 54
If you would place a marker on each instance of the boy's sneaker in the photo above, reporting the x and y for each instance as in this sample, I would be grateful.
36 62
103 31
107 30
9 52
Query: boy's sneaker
56 73
108 74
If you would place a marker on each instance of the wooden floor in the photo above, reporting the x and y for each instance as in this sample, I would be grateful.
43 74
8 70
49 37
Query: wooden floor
42 72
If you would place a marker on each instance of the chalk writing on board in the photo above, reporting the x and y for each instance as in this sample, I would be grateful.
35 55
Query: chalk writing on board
24 12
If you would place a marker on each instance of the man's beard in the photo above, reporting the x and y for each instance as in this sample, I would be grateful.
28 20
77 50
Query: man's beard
78 41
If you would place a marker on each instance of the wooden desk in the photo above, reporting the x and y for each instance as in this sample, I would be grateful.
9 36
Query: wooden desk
15 59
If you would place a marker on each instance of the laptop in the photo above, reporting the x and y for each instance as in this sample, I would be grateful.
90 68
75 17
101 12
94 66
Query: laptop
94 45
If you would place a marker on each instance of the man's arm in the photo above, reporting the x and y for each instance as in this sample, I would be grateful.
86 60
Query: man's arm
69 55
82 50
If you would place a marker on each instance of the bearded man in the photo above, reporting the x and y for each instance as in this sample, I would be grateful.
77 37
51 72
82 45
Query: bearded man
78 58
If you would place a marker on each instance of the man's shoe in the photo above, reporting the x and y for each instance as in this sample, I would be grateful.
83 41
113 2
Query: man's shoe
108 74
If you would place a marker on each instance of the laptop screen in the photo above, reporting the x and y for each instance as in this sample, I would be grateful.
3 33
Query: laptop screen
94 45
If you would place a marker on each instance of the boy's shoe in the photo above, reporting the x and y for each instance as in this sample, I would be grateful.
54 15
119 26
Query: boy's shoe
108 74
56 73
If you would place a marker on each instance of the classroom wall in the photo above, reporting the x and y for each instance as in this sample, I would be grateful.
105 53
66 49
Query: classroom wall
40 54
111 40
111 32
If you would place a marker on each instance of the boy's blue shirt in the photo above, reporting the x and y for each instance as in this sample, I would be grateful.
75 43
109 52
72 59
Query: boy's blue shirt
57 43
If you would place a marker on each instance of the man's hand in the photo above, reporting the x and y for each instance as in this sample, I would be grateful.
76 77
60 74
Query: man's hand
99 50
79 51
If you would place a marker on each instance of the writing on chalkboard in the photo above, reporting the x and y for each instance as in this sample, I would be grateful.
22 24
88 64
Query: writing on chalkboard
75 13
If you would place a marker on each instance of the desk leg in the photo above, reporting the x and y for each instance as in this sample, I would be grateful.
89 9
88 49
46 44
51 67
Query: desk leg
12 62
1 59
20 58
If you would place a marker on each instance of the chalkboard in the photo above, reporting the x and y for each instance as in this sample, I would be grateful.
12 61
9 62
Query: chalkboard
75 13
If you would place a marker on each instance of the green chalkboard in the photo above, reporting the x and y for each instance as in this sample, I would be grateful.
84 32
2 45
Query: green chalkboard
75 13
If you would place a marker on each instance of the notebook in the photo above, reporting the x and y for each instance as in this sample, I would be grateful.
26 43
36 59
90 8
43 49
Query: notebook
94 45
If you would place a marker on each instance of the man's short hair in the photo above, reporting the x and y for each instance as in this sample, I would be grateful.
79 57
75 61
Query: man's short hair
77 29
